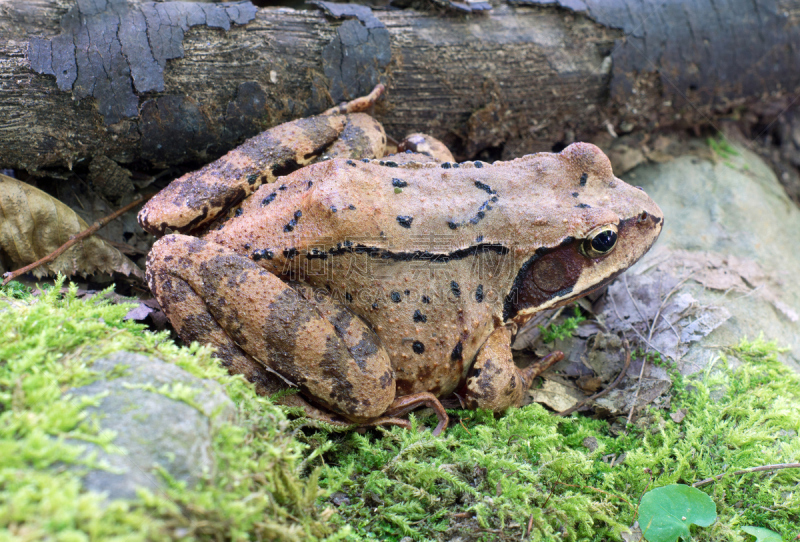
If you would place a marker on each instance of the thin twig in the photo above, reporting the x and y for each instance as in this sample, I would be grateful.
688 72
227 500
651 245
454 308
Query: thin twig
649 338
608 388
777 466
632 328
11 275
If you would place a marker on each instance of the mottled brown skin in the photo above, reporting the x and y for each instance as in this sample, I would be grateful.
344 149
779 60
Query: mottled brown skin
377 286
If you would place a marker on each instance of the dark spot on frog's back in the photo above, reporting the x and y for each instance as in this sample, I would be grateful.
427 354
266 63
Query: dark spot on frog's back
266 201
455 288
405 221
419 317
263 254
418 347
458 352
584 178
293 222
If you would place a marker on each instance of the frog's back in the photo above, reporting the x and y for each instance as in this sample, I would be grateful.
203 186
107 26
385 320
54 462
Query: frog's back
427 254
399 246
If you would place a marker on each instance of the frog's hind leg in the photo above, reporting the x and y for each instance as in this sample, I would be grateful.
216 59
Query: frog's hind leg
194 201
494 382
209 292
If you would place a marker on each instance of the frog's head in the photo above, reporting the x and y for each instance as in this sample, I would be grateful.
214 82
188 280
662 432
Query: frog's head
597 227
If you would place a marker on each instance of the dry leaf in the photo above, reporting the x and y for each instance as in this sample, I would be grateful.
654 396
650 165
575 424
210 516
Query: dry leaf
34 224
557 395
679 415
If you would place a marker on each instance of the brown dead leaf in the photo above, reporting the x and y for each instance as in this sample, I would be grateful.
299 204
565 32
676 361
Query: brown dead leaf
619 402
589 384
34 224
679 415
557 394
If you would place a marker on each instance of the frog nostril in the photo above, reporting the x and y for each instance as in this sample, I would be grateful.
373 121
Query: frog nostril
642 217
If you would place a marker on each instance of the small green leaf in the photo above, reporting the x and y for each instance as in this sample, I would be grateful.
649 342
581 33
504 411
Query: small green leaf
762 534
665 513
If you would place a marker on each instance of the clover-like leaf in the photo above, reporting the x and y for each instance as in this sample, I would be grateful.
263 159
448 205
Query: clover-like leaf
762 534
665 513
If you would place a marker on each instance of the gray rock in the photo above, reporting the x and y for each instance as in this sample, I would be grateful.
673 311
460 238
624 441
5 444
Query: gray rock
153 430
729 258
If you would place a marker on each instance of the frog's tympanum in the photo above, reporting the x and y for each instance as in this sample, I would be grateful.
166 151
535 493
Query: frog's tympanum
377 286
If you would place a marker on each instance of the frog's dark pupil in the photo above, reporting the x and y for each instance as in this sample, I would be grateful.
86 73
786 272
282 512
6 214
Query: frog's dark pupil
604 241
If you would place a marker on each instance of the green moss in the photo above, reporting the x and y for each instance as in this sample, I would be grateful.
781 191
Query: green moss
488 478
46 348
558 332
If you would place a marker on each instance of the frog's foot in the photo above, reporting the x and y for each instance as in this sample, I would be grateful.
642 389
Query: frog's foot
208 291
427 146
494 382
359 104
539 366
407 403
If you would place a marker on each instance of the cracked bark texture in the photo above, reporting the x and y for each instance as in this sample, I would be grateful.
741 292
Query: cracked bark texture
521 78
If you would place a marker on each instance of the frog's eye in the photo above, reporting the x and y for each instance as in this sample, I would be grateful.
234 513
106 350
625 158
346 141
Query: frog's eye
600 241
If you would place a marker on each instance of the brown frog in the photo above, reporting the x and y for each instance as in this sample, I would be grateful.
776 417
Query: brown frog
377 286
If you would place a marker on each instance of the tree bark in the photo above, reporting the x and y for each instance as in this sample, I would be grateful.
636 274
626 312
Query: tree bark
149 87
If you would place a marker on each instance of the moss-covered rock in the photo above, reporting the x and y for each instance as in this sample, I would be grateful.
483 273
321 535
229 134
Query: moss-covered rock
246 488
162 418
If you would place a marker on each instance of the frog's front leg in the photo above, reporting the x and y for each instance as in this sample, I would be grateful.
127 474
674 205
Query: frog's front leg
494 382
340 366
